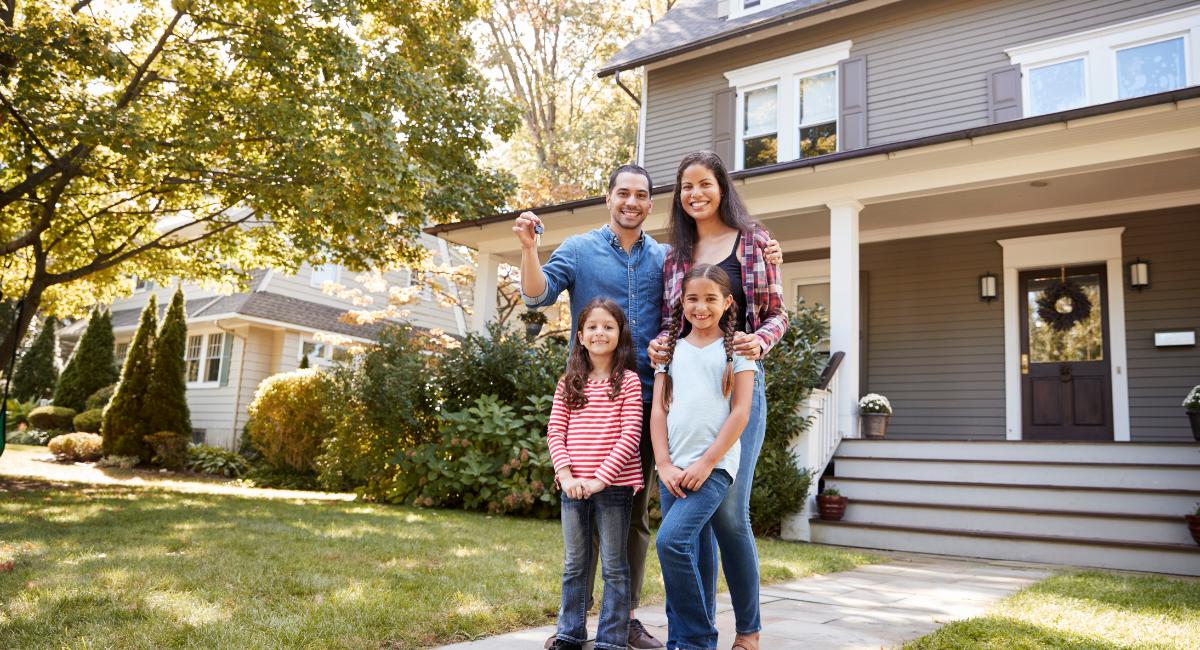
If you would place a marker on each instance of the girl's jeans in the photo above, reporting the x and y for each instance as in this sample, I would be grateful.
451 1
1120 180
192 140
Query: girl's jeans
606 512
731 524
691 622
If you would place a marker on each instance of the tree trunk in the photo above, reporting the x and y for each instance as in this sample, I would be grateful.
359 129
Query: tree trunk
12 338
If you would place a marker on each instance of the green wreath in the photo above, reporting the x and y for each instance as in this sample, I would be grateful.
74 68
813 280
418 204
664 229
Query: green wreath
1079 309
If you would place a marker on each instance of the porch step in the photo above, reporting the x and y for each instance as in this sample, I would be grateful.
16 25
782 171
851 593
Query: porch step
1100 553
1108 505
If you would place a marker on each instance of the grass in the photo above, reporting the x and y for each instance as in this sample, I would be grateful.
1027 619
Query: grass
123 567
1083 611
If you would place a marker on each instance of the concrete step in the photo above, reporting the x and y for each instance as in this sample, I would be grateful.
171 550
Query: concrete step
1105 554
1023 521
1165 502
1095 452
1022 472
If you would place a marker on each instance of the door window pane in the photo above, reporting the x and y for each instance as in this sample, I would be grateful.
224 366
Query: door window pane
760 140
1151 68
1083 342
1057 87
812 295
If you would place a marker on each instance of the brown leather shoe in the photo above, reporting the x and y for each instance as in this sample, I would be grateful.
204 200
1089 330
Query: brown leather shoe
640 639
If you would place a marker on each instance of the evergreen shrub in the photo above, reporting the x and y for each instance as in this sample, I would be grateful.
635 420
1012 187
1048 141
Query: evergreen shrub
124 427
100 398
52 418
91 365
170 449
77 447
291 416
37 369
89 421
165 407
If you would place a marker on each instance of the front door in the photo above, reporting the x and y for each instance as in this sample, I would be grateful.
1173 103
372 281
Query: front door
1066 387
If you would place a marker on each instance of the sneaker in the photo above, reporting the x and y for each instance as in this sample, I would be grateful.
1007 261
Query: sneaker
640 639
555 643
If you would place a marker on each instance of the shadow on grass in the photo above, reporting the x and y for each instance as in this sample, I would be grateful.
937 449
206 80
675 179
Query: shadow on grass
998 633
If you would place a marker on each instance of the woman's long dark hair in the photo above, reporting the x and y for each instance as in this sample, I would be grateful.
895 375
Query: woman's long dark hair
579 363
728 323
732 211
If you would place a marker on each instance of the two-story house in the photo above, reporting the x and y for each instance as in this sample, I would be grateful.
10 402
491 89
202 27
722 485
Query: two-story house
933 168
237 340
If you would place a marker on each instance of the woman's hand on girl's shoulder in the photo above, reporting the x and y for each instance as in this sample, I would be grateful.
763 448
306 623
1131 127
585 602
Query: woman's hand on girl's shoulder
748 346
670 476
773 252
695 475
658 351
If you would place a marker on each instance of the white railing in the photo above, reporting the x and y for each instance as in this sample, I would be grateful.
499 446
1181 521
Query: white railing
815 447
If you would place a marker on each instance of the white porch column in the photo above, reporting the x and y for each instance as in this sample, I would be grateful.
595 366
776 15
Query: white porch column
844 310
487 276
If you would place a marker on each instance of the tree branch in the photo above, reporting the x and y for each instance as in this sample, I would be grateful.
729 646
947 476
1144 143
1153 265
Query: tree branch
12 110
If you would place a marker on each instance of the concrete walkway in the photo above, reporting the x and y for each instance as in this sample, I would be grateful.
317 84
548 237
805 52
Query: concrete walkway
877 606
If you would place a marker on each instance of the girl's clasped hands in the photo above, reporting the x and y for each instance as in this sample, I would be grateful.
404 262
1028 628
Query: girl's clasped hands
580 488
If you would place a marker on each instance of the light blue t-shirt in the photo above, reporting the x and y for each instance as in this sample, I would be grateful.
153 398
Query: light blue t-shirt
698 408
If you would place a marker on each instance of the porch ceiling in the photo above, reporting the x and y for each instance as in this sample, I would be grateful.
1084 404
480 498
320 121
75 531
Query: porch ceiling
1123 160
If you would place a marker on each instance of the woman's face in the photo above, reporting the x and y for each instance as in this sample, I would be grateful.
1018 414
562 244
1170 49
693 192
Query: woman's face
699 192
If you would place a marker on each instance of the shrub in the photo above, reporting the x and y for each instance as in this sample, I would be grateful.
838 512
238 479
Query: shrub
165 407
215 460
124 429
89 421
91 365
170 449
77 447
267 475
289 418
52 418
792 369
489 457
37 370
33 437
18 413
384 406
123 462
100 398
504 365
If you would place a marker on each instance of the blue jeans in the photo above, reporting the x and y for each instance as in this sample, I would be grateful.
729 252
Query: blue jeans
606 512
731 523
691 603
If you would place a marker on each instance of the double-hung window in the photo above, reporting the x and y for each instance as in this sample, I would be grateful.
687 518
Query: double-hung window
324 273
739 8
787 108
202 359
1131 59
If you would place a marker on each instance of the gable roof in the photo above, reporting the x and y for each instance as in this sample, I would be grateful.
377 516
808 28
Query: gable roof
694 24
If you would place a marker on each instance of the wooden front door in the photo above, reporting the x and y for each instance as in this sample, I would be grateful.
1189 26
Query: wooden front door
1066 387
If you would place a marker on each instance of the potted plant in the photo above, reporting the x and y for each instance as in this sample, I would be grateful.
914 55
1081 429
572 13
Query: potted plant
831 505
1193 523
1192 404
875 410
534 320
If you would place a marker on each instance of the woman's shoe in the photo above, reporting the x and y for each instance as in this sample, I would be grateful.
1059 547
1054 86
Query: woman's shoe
745 643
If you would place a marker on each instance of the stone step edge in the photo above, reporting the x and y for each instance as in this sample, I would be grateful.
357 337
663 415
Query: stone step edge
988 461
1020 537
1021 486
1023 511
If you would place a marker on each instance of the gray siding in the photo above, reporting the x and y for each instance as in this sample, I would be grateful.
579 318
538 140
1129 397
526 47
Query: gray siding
927 65
937 351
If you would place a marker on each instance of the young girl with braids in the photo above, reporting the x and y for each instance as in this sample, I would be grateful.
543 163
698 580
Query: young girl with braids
701 404
594 432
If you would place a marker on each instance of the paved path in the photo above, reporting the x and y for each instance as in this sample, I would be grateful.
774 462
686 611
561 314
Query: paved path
876 606
20 461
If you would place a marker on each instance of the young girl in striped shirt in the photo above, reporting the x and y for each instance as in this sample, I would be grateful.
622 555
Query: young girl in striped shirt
594 431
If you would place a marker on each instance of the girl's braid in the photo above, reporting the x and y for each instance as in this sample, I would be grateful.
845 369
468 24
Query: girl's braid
673 331
729 325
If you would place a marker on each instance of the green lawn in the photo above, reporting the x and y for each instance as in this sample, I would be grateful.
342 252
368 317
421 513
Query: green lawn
1083 611
119 567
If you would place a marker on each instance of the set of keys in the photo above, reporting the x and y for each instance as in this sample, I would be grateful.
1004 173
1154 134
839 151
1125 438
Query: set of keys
537 234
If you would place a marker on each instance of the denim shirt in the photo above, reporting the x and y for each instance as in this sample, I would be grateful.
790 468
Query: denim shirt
594 265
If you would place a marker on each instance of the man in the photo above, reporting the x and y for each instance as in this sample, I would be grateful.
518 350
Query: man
619 261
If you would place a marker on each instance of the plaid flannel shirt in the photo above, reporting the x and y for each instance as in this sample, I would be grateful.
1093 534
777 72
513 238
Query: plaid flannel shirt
765 314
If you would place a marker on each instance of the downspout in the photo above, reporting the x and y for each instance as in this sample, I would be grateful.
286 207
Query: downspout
637 100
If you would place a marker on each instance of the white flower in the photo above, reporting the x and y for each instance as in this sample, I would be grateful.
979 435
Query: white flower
1192 401
875 403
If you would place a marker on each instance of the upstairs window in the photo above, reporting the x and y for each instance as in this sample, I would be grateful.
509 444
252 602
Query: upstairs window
1132 59
324 273
739 8
787 108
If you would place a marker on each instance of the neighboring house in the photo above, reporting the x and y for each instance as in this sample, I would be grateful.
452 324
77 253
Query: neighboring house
236 341
929 167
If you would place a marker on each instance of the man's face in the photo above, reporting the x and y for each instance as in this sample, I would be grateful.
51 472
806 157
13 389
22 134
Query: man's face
628 202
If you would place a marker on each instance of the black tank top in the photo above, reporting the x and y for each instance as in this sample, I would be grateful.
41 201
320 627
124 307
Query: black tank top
733 268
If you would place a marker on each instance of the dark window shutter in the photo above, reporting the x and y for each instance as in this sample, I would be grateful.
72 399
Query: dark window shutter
724 116
226 358
1004 94
852 93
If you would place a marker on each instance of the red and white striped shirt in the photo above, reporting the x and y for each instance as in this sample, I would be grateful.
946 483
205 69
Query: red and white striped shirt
601 439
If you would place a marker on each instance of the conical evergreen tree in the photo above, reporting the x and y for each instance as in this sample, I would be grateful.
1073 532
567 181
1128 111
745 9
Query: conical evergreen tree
37 370
166 407
304 362
91 366
123 426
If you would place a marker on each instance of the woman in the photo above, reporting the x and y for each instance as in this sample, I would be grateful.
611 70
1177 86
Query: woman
710 225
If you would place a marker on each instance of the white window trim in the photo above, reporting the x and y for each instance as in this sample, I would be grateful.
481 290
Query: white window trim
204 341
312 276
1098 48
786 74
737 8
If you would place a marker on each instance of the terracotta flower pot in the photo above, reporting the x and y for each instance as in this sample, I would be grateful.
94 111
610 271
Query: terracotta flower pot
1193 524
831 508
1194 417
874 425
